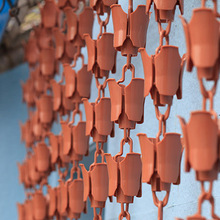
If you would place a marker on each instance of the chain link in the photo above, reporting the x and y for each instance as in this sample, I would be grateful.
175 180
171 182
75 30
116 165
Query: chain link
126 67
98 84
101 27
124 212
77 55
207 196
162 118
99 152
75 112
97 216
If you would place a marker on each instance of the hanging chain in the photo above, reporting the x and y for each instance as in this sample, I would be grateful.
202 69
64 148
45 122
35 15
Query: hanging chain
99 152
75 112
208 95
124 212
162 118
164 34
160 204
102 26
77 55
97 216
127 66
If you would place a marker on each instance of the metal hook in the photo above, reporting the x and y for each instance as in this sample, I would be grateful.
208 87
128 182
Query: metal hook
158 113
203 3
209 197
98 83
162 35
97 216
102 25
130 7
124 69
63 175
157 201
99 151
42 183
123 141
75 169
64 121
100 89
106 21
208 95
160 210
124 213
161 122
126 134
76 111
78 55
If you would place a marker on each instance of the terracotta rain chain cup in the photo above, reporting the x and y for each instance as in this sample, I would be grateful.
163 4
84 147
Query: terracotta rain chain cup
42 153
28 207
161 161
52 201
61 103
27 133
163 74
39 82
21 211
127 102
78 25
56 151
28 93
75 141
102 6
77 84
164 10
96 185
48 62
201 135
45 110
31 50
98 119
125 176
44 37
49 14
65 49
128 36
62 4
101 55
39 205
202 40
76 203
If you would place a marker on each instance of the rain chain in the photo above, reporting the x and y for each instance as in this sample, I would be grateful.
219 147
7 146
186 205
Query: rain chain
127 105
101 60
161 156
66 27
37 94
75 144
58 38
201 133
